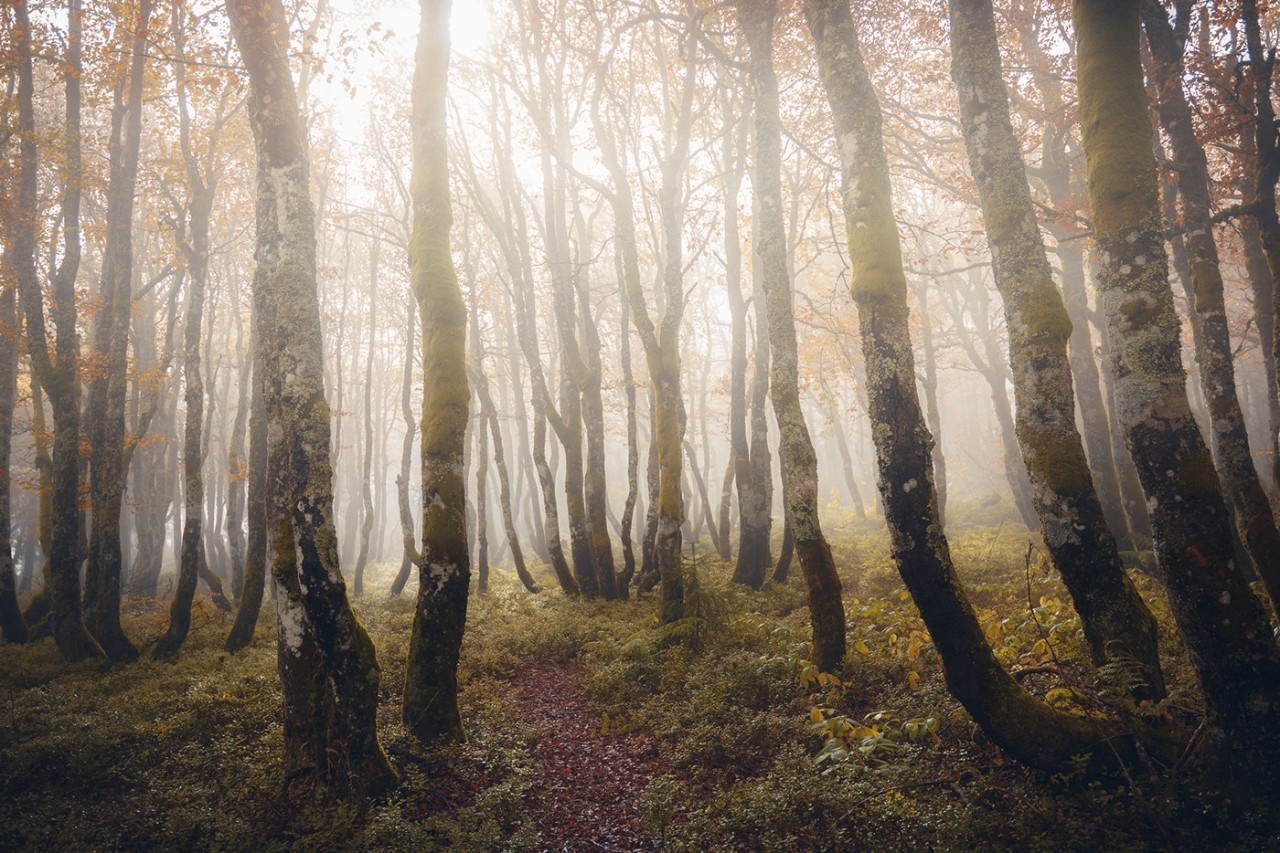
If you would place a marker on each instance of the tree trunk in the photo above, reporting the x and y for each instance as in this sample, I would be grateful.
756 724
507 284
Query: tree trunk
109 386
930 383
255 561
1124 517
409 556
1116 622
12 627
297 415
56 368
1224 626
366 470
1240 483
1025 727
431 677
633 444
795 448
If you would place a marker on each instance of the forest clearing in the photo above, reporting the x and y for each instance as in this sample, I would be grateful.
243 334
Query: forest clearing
639 425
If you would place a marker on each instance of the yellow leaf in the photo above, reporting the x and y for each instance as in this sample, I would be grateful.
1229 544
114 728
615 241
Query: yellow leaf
862 648
913 679
815 714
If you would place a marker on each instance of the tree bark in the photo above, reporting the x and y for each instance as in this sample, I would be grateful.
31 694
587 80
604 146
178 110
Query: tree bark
255 560
366 469
1116 622
431 678
108 386
795 448
320 618
56 368
1224 626
1240 482
1026 728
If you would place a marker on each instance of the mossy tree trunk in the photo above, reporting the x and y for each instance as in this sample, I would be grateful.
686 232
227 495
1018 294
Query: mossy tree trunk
56 368
108 385
661 340
431 679
1125 513
321 642
1240 482
795 448
930 382
633 442
1116 622
1029 730
1223 624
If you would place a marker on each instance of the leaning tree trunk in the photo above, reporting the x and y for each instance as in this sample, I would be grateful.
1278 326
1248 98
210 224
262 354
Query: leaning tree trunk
409 556
255 558
431 677
633 444
320 619
1240 482
56 368
1125 513
109 386
795 448
1223 624
1028 729
1116 622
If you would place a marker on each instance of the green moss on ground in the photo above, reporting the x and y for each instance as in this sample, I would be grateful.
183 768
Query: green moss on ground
763 751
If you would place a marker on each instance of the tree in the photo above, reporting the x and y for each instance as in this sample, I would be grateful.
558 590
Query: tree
444 573
328 667
795 448
1240 482
1225 628
56 369
1116 622
1029 730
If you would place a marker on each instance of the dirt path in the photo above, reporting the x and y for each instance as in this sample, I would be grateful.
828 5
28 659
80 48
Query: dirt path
587 785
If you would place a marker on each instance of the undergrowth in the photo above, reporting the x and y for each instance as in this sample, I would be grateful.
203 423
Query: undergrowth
759 749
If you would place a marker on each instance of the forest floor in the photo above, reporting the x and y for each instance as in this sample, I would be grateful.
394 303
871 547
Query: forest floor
592 728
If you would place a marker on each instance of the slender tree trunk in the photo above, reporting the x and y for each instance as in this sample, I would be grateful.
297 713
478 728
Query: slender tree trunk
795 448
431 677
408 538
1224 626
109 386
633 444
320 639
1116 622
12 627
366 471
56 368
930 384
255 561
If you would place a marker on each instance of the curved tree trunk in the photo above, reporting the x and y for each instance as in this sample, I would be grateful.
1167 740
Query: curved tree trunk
1116 621
289 333
431 677
1224 626
795 448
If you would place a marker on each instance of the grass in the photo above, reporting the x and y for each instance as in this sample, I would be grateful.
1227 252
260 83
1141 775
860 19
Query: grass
761 751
